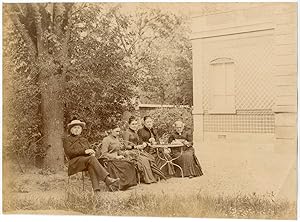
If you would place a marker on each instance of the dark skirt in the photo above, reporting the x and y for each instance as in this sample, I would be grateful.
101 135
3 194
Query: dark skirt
189 164
124 170
146 164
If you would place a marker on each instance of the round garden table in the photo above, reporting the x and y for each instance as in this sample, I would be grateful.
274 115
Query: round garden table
164 157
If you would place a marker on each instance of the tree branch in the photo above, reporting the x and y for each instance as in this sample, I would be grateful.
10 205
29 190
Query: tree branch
39 29
120 36
32 48
64 51
58 18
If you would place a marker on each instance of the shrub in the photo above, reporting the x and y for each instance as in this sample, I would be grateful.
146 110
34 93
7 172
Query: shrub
164 119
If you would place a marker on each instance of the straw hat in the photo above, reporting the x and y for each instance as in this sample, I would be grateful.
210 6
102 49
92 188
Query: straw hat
76 122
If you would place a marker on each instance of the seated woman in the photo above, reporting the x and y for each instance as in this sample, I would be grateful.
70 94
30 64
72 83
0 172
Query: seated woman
117 165
188 161
81 157
145 161
148 135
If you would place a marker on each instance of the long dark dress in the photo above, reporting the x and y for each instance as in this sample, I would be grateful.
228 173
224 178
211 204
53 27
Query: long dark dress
188 161
118 168
144 159
145 134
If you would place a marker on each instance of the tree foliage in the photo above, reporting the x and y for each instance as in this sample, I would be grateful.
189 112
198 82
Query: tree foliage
21 100
159 51
102 55
164 119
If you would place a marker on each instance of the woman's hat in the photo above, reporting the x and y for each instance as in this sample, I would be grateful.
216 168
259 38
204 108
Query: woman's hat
76 122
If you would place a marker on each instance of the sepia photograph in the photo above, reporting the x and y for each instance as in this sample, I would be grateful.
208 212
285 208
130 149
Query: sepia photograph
150 109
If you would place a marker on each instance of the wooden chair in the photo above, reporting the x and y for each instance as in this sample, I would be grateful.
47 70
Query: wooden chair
97 147
82 174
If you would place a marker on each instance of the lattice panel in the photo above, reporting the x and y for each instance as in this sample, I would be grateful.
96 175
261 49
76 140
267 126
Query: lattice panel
240 123
252 54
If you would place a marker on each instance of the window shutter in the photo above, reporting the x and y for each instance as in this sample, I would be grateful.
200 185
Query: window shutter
222 88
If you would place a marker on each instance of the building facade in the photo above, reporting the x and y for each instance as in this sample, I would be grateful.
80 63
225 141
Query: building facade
245 74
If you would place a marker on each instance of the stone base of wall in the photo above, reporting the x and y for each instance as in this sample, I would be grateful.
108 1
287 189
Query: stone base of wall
251 138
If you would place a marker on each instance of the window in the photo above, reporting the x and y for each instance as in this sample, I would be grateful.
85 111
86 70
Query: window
221 86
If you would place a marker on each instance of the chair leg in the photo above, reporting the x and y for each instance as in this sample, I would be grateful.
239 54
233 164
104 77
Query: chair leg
138 175
68 187
82 174
82 177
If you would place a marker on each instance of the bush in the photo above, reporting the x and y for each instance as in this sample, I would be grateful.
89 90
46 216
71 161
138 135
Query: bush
21 102
164 119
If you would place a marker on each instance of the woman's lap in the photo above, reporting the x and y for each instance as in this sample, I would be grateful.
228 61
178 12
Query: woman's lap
188 164
124 170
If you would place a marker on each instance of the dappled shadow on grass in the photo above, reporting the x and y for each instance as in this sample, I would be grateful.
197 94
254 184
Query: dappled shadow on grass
160 204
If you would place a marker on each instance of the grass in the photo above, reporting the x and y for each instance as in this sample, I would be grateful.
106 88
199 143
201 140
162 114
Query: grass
199 205
47 191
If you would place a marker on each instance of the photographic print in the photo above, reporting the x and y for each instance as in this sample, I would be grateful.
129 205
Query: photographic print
150 109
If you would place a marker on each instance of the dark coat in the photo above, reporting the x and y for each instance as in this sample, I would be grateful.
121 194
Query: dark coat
184 135
75 147
145 134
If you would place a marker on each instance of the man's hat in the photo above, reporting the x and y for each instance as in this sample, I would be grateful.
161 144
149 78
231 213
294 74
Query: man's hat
76 122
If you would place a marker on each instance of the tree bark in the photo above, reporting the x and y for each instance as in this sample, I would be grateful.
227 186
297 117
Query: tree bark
51 67
52 106
53 121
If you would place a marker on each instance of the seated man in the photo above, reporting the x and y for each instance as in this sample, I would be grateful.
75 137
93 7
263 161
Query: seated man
187 161
81 157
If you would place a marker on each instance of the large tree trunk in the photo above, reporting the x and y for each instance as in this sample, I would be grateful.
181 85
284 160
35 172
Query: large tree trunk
52 78
53 124
50 62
